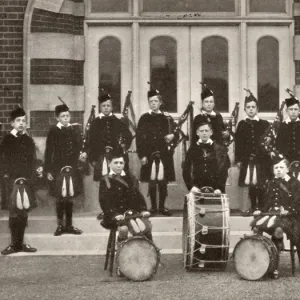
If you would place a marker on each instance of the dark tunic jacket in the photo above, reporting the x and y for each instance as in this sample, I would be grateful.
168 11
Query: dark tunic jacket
18 159
106 132
206 165
216 122
288 141
63 147
122 195
150 135
248 149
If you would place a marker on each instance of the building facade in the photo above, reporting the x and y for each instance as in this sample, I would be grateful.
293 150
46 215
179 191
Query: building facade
71 48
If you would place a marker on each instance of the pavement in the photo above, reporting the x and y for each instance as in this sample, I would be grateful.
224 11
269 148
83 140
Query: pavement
83 277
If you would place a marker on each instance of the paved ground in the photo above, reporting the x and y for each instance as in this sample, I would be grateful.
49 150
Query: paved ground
82 277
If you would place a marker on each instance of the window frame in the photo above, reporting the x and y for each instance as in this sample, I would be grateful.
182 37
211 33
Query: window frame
287 13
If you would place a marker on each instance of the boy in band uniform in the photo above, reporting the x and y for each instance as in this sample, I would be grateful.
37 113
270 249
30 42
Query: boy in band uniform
282 197
287 141
122 195
209 115
207 162
63 150
254 163
107 133
154 134
19 170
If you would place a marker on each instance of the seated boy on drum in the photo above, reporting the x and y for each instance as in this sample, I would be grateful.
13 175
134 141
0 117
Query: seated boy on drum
122 203
206 162
282 197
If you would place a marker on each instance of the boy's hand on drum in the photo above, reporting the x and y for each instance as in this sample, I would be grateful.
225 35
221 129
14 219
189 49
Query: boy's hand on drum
256 213
218 192
284 212
119 217
145 214
50 177
144 161
194 189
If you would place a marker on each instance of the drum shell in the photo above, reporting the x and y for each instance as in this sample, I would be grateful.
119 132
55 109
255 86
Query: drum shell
210 250
267 245
137 258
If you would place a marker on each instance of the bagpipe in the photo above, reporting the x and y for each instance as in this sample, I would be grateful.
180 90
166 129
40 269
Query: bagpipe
230 124
178 133
269 137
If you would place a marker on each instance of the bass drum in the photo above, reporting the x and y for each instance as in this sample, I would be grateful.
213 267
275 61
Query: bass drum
137 258
255 256
206 231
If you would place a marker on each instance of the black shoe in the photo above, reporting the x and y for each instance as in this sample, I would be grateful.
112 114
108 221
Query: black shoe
153 211
73 230
9 250
165 212
100 216
28 248
59 230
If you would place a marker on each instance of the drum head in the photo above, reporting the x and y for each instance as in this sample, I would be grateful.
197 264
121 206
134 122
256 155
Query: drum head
138 258
252 258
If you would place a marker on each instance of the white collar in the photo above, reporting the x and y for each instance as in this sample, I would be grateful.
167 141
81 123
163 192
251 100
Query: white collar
59 125
102 115
111 172
210 142
203 112
151 111
256 118
286 178
15 131
288 120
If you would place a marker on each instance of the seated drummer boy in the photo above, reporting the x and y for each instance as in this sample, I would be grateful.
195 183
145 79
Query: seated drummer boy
283 198
206 162
120 194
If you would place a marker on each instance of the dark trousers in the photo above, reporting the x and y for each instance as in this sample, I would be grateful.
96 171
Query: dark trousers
162 188
17 226
256 195
64 208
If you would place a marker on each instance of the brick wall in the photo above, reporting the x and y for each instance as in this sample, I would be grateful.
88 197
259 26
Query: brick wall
41 121
11 57
56 71
47 21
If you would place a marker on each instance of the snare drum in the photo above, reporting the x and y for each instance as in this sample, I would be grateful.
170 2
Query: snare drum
137 258
206 231
255 256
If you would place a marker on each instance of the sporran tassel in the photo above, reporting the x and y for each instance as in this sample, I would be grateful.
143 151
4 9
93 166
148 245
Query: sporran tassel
298 177
71 187
160 175
19 201
104 167
141 224
153 171
26 203
247 179
254 178
135 226
64 188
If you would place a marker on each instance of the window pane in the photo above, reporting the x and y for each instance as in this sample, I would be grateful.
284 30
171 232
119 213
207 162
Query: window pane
268 74
189 5
273 6
103 6
110 69
215 69
163 65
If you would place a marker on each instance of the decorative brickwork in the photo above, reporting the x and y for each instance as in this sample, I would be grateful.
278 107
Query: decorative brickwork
56 71
46 21
11 57
41 121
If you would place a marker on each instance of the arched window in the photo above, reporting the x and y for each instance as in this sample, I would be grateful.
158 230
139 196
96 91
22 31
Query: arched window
163 66
268 74
215 69
110 69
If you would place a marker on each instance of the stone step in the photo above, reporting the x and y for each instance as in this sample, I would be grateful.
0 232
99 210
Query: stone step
89 224
95 243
